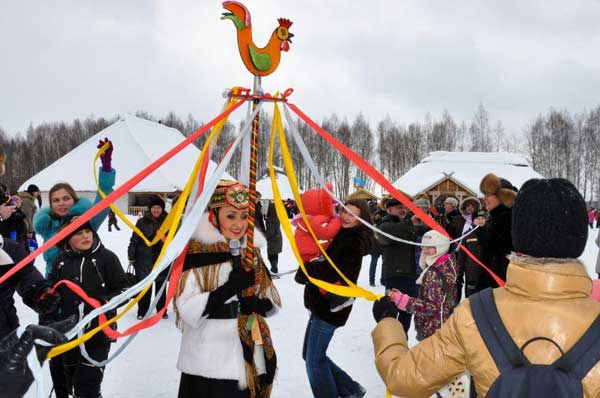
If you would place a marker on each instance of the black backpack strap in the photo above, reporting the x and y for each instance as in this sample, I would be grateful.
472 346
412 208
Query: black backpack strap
501 346
584 355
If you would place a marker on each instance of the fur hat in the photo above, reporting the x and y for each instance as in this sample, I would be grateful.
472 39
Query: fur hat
549 219
156 201
491 184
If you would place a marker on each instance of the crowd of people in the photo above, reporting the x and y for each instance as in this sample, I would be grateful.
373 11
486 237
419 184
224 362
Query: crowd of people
502 336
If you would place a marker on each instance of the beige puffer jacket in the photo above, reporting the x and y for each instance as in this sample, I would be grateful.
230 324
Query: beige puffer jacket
542 297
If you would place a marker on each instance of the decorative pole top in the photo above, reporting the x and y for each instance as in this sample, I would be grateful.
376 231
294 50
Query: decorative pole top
259 61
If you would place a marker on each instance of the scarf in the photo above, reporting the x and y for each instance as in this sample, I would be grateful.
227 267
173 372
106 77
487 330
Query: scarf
252 329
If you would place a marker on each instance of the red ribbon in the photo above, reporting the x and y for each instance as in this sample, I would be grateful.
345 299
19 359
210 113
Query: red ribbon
383 182
123 189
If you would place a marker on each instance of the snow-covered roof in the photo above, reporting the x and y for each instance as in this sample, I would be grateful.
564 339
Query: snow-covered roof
466 168
137 143
264 185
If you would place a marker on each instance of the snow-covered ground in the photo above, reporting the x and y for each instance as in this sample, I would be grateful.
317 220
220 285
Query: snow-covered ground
147 367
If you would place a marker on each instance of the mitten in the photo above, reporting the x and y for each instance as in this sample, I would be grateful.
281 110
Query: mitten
106 157
399 298
238 280
253 304
48 302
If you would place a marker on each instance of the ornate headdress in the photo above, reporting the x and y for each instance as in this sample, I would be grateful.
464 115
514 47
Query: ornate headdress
230 193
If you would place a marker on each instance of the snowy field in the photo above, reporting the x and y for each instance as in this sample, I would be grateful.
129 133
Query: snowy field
147 367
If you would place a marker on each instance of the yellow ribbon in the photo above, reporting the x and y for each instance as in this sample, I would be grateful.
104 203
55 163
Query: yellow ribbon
177 211
352 290
348 291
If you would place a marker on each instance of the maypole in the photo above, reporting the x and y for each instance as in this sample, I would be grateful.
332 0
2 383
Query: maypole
260 62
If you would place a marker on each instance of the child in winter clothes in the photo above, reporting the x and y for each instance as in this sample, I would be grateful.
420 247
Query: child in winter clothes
319 208
437 287
437 297
84 261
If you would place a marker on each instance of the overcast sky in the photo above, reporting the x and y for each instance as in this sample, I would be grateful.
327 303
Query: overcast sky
66 59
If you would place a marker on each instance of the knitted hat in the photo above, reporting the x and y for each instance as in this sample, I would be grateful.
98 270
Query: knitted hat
32 188
230 193
68 220
480 213
549 219
491 184
452 201
156 201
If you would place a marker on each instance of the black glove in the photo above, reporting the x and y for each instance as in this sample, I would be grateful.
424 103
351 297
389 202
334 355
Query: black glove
15 375
253 304
300 277
238 280
384 308
48 303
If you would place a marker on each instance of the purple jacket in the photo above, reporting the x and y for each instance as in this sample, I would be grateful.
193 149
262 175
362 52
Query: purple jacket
437 297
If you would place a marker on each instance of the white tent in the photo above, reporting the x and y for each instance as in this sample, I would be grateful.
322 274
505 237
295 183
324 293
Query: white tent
137 143
264 185
465 169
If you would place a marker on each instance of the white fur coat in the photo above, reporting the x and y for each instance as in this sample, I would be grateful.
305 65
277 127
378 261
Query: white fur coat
211 347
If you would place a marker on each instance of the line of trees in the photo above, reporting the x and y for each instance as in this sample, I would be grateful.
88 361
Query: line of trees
558 144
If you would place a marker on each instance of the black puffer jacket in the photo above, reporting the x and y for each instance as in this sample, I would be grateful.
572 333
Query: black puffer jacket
142 255
346 250
98 271
28 282
398 258
496 243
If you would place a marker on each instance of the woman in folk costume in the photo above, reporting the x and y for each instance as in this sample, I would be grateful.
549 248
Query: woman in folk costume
226 349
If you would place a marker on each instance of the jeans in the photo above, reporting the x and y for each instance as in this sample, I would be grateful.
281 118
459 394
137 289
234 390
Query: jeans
373 268
406 286
327 380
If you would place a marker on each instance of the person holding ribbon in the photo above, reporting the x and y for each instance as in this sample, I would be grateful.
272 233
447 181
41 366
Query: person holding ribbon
65 202
85 262
328 312
226 349
46 222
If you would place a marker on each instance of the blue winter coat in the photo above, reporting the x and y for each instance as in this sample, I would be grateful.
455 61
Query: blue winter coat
46 225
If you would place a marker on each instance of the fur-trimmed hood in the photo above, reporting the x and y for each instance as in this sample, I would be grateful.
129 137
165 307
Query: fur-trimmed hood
491 184
463 205
207 233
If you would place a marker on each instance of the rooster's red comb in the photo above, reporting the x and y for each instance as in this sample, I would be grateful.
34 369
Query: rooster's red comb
286 23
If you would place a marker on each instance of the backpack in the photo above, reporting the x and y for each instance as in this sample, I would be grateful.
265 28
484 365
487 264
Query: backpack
519 377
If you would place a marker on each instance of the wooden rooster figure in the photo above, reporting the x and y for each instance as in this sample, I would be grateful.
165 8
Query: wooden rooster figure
259 61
